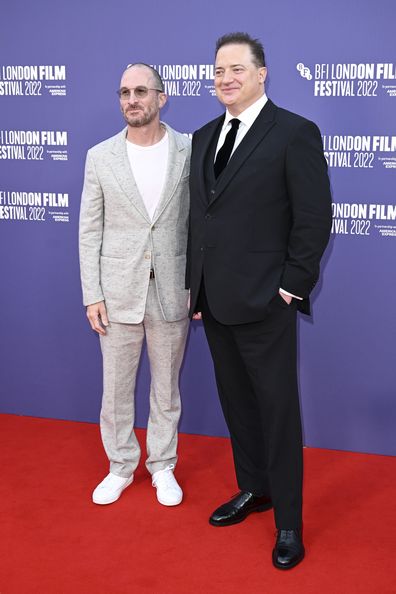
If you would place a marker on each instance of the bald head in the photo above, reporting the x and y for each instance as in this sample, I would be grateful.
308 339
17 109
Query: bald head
153 76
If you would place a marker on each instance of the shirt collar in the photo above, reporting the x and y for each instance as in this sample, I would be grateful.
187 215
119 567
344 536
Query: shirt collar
247 116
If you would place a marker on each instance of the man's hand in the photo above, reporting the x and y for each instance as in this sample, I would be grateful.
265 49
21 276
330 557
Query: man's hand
197 315
285 297
97 316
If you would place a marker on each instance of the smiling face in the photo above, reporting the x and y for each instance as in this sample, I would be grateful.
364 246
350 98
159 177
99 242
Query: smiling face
239 82
141 111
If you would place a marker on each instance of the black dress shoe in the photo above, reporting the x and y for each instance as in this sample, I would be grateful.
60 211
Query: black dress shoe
238 508
289 549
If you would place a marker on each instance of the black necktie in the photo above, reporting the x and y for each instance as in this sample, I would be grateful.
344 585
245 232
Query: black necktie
224 153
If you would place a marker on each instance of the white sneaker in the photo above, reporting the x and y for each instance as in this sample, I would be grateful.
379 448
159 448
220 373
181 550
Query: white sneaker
168 491
110 489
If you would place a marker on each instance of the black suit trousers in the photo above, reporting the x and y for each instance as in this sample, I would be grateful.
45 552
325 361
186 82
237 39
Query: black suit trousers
256 374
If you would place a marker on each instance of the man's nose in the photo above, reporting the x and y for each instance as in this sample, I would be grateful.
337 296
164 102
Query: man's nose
132 100
228 77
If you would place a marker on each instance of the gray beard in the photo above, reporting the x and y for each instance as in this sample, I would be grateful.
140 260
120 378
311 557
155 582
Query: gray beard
139 121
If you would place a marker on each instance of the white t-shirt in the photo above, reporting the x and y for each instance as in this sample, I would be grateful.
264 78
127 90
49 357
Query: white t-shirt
149 164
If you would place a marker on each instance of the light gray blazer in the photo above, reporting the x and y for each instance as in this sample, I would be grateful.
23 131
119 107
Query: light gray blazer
118 241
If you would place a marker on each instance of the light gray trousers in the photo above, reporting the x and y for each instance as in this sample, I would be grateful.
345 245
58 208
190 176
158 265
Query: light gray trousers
121 350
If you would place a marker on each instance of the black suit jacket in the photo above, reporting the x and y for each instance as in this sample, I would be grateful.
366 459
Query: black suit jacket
264 223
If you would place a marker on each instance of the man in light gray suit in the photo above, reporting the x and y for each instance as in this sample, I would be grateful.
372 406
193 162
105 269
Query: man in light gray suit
133 238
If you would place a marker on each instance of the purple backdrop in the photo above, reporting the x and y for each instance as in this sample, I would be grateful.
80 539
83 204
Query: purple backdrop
60 65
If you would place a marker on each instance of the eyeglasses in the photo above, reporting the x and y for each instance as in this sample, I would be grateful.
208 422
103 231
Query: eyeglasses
139 92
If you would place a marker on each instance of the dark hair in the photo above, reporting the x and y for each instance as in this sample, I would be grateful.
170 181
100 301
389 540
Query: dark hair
154 72
256 47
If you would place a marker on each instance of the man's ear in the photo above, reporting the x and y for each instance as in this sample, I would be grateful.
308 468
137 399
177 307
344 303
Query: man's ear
262 74
163 98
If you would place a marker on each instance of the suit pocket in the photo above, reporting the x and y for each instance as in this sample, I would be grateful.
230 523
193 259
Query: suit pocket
111 257
278 302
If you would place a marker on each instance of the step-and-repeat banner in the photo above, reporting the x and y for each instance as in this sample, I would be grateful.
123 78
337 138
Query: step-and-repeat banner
60 65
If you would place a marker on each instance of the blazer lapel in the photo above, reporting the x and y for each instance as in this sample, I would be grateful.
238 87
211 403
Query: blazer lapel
177 155
123 172
260 128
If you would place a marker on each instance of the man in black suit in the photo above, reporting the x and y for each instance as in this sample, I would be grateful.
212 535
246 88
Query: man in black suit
260 221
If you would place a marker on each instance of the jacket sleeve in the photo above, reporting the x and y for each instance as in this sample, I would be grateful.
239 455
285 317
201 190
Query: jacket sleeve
91 234
310 198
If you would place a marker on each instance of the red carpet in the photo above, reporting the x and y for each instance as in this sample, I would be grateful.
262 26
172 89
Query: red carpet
55 541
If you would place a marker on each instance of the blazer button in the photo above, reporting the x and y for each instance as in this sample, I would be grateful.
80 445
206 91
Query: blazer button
208 216
213 192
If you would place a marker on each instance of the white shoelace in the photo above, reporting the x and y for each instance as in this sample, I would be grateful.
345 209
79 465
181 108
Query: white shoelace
165 476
